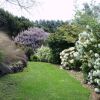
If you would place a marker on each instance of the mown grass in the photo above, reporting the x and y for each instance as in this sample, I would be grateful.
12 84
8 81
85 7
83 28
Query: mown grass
42 81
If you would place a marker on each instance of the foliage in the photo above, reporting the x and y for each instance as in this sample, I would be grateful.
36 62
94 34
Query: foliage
28 52
89 15
16 24
34 58
85 70
12 23
57 43
70 31
68 60
1 56
88 46
10 52
62 39
43 54
31 39
49 26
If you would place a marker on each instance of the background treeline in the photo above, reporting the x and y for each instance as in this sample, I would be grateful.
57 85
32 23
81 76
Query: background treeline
14 24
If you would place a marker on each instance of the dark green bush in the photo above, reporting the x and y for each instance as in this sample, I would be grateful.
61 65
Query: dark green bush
77 65
28 53
85 70
34 58
57 42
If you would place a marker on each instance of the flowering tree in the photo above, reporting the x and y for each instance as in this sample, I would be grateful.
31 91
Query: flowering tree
33 37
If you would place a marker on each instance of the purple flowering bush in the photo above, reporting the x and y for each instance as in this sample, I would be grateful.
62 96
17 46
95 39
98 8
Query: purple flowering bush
33 38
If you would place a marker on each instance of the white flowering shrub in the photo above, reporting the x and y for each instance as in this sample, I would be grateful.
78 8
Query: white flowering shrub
88 47
68 60
42 54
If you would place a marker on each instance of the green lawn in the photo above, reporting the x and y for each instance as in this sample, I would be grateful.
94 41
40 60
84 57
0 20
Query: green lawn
42 81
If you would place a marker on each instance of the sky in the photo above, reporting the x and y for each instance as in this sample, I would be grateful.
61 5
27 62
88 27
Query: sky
46 9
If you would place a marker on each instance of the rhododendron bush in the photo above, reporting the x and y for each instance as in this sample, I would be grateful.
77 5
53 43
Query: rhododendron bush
88 47
87 52
70 59
66 57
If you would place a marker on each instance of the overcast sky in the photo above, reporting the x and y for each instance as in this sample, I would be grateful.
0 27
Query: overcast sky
47 9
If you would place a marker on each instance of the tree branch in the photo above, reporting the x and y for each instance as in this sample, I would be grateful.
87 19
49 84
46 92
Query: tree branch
23 4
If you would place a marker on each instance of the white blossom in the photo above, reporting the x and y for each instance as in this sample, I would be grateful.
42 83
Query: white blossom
98 73
99 45
71 61
97 90
86 45
96 55
94 73
91 51
83 34
96 67
98 81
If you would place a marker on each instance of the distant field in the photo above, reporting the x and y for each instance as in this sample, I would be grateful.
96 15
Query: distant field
42 81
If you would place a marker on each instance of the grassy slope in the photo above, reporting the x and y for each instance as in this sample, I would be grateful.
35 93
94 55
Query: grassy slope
41 81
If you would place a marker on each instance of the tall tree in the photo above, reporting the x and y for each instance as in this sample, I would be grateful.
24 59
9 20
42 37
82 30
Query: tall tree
13 24
89 15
